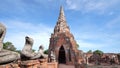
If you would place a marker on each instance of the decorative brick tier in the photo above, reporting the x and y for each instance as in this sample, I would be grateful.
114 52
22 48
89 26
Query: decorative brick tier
39 63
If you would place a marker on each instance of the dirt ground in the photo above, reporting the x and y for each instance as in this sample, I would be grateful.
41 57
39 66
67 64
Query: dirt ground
65 66
98 66
113 66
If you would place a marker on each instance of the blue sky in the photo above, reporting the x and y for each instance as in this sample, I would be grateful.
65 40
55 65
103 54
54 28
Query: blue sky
95 24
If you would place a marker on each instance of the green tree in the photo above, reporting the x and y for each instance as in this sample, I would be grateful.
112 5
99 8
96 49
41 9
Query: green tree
90 51
46 51
33 50
77 45
18 51
9 46
99 52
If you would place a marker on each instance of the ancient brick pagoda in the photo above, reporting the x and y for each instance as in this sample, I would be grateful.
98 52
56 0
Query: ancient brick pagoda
62 42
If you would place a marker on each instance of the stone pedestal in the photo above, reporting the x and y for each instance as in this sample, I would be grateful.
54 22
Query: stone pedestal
52 65
40 63
11 65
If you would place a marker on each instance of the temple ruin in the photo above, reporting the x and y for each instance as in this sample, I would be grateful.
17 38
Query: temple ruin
62 42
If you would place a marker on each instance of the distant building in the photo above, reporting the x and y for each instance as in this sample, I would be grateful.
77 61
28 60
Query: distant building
62 42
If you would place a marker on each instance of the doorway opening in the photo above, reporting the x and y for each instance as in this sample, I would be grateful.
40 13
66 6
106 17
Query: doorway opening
62 58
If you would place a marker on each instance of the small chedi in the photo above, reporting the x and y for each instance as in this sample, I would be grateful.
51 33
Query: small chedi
62 43
27 53
6 55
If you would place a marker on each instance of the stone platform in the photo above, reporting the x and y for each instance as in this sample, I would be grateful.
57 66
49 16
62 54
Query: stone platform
11 65
39 63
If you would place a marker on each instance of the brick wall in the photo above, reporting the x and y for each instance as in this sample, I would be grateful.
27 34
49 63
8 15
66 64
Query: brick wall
42 63
52 65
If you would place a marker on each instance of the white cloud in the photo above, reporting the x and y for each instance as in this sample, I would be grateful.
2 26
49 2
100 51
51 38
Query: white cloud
92 38
89 45
114 23
16 32
109 44
71 5
86 6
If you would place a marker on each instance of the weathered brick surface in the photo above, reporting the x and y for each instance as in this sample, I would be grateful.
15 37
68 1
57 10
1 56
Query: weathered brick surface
40 63
105 59
63 38
52 65
11 65
34 63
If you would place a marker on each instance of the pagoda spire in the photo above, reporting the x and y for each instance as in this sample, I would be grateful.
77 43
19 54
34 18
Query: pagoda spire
62 41
61 25
61 15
